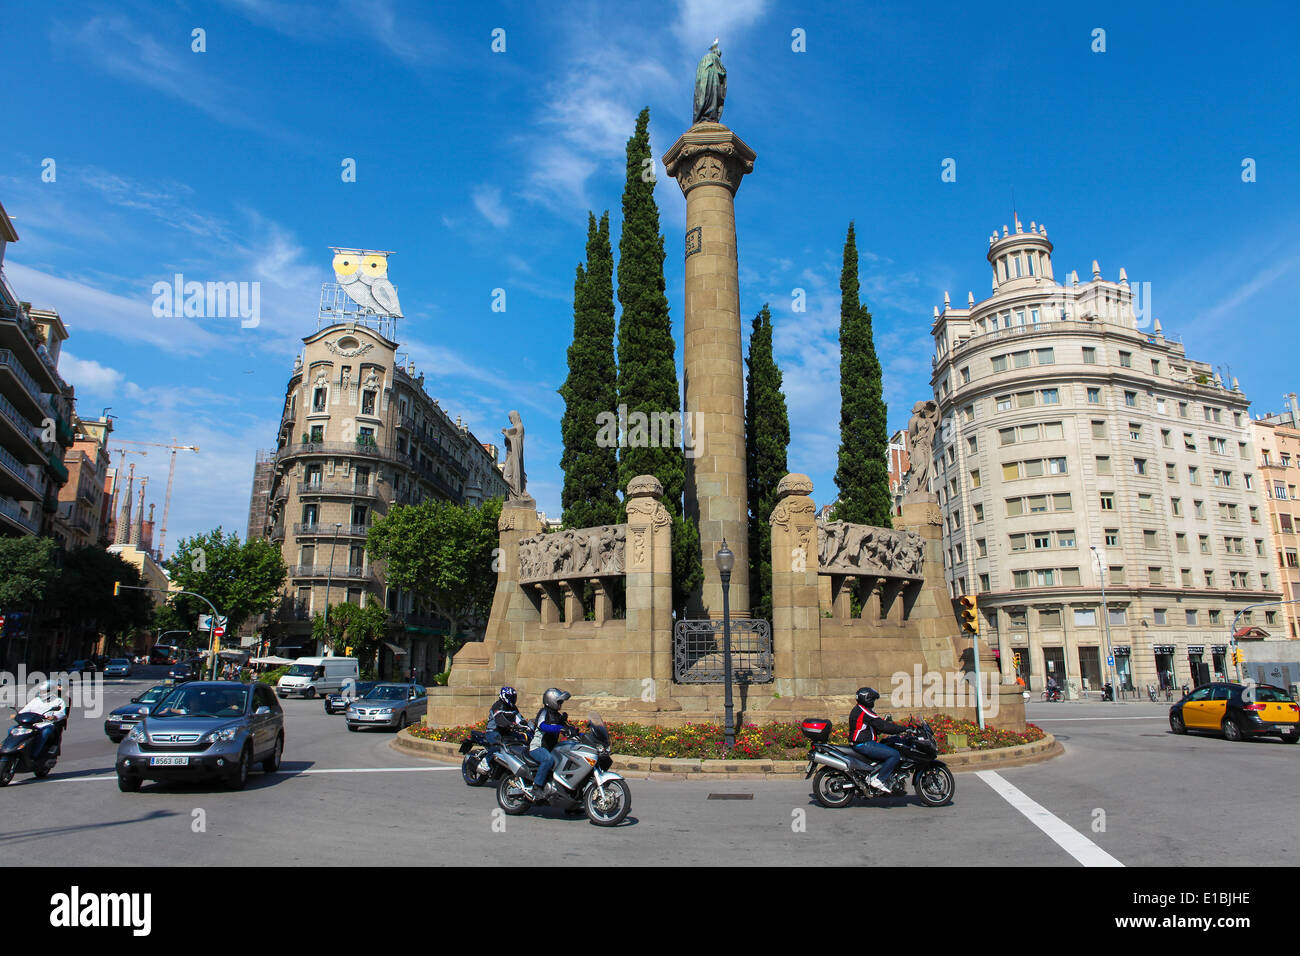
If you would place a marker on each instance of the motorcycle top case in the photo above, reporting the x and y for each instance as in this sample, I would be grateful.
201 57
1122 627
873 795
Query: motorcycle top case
816 729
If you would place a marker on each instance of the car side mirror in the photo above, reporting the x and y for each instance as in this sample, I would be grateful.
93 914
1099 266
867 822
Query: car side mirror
262 711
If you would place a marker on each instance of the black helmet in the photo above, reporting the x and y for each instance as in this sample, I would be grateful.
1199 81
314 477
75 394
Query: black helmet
867 696
508 696
554 697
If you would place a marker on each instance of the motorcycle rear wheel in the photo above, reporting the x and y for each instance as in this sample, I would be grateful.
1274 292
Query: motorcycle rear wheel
613 809
935 786
42 769
511 797
469 769
832 789
7 768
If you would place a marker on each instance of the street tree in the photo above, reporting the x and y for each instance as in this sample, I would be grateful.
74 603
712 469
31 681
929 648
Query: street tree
444 554
354 630
242 579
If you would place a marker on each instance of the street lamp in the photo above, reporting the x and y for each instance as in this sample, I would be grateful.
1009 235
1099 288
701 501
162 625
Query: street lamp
726 560
1105 611
329 579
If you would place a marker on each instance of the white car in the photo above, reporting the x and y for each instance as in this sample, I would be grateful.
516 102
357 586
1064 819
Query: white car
118 667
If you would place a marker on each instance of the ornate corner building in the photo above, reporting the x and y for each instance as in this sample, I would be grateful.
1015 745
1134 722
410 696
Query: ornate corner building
359 435
1080 446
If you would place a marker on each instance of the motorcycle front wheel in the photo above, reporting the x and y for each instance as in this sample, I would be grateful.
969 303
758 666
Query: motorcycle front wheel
7 768
469 769
934 785
511 797
832 789
611 810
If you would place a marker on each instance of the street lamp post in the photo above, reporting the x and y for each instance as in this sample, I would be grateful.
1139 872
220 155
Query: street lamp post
726 560
329 579
1105 611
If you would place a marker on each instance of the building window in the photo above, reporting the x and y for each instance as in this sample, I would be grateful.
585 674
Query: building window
1116 573
1139 466
1125 359
1103 465
999 363
1085 617
1134 431
1094 396
1150 539
975 478
965 376
1107 501
1003 403
1190 617
1118 615
1161 616
1112 537
1131 399
1089 356
1098 429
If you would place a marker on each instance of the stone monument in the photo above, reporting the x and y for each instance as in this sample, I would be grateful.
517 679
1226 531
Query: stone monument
708 161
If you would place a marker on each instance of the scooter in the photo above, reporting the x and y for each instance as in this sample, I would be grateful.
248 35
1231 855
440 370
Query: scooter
479 767
20 752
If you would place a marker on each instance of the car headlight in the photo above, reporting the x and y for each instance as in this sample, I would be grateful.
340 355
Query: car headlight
137 734
385 713
222 735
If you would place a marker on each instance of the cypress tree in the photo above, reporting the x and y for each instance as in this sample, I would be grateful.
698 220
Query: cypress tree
647 365
767 435
863 473
590 493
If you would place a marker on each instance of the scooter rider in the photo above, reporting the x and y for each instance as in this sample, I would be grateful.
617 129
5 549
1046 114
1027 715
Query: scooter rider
504 718
864 727
50 704
550 723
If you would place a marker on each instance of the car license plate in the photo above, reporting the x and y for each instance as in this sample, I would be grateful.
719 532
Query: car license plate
169 761
1285 728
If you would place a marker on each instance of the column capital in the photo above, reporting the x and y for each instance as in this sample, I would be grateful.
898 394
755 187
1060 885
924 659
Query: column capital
709 153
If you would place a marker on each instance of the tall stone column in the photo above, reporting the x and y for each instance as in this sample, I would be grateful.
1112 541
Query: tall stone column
708 162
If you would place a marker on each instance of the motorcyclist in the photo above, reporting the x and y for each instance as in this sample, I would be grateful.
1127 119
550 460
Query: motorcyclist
504 718
551 722
49 703
864 727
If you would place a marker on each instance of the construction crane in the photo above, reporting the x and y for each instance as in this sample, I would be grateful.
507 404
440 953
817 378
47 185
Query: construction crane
171 476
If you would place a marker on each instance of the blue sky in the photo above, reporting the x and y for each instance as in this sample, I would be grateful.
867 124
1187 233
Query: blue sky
478 168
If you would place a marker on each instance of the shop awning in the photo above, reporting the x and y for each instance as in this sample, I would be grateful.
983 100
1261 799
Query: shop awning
397 651
1249 631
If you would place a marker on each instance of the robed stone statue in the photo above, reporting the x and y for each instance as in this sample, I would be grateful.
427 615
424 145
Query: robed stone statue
710 87
513 472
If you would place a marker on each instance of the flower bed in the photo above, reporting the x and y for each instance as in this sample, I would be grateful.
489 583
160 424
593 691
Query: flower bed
772 741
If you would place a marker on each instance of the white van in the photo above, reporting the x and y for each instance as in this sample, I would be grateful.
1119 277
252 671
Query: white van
310 676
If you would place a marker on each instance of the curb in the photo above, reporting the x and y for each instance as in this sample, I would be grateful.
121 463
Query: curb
665 768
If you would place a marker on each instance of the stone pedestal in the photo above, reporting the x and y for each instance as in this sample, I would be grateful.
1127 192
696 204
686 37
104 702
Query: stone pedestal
648 559
708 162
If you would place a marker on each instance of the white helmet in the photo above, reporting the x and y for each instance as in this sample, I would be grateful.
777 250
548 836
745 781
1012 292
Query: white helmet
48 689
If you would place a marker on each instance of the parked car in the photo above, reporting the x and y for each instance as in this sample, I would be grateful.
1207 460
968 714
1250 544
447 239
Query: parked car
118 667
1238 711
120 721
310 676
204 729
338 703
388 705
82 666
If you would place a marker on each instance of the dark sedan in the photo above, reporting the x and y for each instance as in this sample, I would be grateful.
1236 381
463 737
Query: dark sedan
119 723
1238 711
338 703
188 671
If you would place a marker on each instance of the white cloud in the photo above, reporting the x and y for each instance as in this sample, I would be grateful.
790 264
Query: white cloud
699 22
88 377
487 200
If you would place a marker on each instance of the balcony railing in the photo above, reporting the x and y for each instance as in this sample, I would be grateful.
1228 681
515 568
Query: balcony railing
327 529
324 571
19 420
10 361
19 471
343 448
11 509
367 490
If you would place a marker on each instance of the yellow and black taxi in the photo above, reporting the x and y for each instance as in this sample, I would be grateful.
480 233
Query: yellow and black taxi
1238 711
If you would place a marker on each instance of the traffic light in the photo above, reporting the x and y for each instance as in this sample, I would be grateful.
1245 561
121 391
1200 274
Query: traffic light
1236 657
117 588
1015 657
970 619
347 652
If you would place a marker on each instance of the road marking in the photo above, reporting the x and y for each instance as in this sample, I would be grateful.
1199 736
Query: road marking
279 773
1065 836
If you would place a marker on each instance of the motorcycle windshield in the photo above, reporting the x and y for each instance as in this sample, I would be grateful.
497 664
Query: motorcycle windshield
598 729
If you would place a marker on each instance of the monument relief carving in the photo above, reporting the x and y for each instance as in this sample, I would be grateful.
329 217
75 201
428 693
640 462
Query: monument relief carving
574 553
920 440
844 548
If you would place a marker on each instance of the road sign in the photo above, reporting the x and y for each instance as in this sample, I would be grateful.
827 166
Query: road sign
205 622
1110 662
219 633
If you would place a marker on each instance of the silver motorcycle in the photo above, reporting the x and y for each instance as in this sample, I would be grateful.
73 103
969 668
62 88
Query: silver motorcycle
581 777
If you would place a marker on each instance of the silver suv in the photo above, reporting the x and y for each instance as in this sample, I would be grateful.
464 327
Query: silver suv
204 729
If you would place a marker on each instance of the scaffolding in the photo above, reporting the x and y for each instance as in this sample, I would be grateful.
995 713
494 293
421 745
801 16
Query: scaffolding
337 308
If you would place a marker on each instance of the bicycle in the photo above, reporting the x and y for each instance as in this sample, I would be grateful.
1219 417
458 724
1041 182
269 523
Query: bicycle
1052 695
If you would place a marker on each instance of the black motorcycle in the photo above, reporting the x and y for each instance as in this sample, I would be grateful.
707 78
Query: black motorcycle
20 751
479 768
841 772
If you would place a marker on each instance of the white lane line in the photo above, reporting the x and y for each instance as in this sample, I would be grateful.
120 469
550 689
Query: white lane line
1147 717
1065 836
281 773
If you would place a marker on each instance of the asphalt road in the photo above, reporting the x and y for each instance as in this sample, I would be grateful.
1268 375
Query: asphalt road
1126 792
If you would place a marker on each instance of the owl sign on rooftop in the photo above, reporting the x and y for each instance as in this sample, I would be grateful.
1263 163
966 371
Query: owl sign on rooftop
363 274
